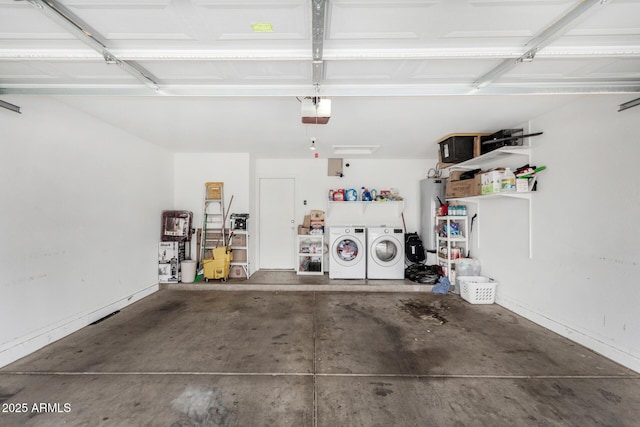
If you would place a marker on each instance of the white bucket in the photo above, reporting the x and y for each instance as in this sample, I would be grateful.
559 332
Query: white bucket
188 268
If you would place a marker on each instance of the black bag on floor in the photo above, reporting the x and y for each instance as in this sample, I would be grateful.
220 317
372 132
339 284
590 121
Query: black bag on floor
422 273
413 249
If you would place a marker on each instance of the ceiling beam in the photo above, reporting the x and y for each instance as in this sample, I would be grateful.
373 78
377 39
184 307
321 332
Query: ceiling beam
629 104
535 44
85 33
9 106
317 39
302 55
630 87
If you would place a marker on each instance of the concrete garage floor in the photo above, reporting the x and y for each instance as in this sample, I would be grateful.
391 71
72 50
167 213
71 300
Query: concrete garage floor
276 358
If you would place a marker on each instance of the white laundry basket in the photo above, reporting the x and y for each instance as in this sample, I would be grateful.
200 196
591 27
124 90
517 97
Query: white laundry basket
478 289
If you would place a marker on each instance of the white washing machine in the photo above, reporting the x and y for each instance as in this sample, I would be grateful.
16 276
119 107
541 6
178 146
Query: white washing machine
385 253
348 249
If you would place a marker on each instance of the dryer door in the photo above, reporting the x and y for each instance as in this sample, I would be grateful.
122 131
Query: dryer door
347 251
386 251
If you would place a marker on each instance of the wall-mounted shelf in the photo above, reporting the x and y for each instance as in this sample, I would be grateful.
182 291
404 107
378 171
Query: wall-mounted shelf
396 207
490 158
521 195
482 160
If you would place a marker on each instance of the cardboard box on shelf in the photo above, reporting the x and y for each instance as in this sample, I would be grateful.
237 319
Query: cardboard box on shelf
303 230
317 225
455 175
522 185
317 215
307 221
492 181
464 188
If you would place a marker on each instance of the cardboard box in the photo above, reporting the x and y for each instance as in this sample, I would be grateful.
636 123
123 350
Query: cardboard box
303 230
240 255
464 188
167 251
316 225
237 272
168 272
492 181
214 190
317 215
176 226
239 240
522 185
455 175
307 221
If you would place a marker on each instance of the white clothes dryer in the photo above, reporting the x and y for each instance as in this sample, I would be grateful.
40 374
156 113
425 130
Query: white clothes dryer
385 253
347 246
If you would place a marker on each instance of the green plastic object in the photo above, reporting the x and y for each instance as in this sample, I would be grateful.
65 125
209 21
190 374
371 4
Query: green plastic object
529 175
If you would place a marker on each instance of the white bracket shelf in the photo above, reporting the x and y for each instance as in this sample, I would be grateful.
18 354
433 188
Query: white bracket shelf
488 197
362 207
482 160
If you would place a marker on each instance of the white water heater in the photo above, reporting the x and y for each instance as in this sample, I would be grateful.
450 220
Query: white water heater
432 192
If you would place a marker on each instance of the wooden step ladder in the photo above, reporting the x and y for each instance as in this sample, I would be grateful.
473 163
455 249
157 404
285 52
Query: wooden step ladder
214 219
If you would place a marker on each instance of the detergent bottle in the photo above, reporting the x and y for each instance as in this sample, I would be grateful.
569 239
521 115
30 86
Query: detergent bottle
508 181
366 196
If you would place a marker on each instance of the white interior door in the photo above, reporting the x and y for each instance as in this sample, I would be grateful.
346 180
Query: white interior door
277 223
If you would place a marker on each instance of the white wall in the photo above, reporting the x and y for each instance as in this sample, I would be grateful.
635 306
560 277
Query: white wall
313 183
241 174
81 208
583 279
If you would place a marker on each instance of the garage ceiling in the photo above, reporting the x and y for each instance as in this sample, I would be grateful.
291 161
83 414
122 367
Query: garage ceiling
228 76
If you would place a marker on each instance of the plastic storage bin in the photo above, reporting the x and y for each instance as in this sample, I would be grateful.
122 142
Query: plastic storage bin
478 289
456 148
